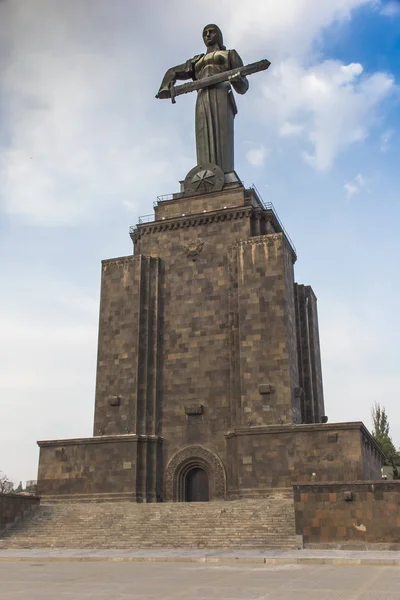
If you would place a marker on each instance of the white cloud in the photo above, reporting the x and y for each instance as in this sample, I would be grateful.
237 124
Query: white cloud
352 341
46 354
354 187
360 180
256 156
351 189
391 9
284 28
331 104
76 145
83 130
256 28
288 129
385 139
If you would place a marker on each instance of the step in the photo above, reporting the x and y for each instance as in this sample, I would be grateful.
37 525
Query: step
249 523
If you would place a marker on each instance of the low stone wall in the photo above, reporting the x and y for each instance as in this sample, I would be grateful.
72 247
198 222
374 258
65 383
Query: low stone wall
358 515
280 455
13 506
100 466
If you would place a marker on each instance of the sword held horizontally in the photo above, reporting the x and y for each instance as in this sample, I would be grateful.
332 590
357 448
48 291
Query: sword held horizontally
200 84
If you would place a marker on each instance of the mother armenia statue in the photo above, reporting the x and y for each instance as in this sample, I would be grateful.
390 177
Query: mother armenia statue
215 106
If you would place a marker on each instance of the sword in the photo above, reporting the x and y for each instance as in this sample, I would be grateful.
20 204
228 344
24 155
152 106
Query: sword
200 84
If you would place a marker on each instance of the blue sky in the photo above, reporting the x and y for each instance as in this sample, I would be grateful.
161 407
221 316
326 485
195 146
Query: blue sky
85 149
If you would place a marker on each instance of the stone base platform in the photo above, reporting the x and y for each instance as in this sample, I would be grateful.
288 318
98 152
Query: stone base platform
256 462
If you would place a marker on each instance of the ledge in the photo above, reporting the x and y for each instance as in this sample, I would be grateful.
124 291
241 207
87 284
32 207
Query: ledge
306 428
290 427
23 496
346 484
100 439
120 259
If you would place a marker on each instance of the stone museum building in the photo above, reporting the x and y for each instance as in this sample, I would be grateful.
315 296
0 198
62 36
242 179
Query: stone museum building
209 383
209 380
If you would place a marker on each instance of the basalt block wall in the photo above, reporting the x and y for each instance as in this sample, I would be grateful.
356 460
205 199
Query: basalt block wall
354 515
102 465
309 354
14 506
196 323
126 386
199 336
277 456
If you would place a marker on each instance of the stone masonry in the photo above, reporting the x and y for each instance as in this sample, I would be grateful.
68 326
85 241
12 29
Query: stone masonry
208 359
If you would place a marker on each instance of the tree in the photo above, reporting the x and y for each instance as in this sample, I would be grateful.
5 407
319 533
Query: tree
6 485
380 432
19 489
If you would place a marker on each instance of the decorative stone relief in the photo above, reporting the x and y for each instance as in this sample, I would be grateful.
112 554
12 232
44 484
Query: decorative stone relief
193 250
204 178
192 221
194 410
116 263
114 400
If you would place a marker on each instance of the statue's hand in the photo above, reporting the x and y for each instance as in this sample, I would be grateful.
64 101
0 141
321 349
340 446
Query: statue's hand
235 77
163 94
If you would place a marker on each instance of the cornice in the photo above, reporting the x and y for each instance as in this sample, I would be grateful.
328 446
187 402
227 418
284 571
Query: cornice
119 261
100 439
301 428
191 221
262 239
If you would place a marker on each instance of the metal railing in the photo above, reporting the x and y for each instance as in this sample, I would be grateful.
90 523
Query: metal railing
163 198
265 205
146 219
270 206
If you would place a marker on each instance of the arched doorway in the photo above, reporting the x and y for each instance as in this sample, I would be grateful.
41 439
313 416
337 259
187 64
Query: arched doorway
193 474
196 485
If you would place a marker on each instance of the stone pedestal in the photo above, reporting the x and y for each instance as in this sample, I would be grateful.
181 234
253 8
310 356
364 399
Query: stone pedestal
208 357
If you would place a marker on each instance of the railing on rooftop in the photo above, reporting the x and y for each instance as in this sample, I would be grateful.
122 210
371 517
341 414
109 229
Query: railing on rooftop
146 219
270 206
265 205
163 198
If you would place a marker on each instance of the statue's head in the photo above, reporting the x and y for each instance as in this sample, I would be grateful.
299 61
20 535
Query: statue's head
212 36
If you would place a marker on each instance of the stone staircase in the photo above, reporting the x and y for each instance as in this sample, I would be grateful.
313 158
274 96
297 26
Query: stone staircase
260 523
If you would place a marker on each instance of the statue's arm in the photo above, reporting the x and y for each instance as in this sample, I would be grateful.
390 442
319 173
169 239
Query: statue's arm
184 71
239 83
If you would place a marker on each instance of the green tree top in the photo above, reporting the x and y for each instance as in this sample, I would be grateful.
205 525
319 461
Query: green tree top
380 432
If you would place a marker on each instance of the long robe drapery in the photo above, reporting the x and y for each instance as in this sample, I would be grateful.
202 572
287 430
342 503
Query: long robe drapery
215 106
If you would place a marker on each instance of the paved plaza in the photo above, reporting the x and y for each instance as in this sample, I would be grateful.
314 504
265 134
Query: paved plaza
114 580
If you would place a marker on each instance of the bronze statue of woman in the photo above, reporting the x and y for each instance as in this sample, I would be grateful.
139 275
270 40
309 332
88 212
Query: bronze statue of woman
215 106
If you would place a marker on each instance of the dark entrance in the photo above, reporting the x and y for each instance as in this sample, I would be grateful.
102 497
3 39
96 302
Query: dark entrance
196 486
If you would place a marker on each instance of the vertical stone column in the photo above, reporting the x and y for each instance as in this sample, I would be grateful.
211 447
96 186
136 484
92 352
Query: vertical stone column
148 346
116 381
127 395
263 333
309 356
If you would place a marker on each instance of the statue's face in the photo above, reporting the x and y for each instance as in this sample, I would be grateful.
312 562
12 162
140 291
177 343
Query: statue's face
210 36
